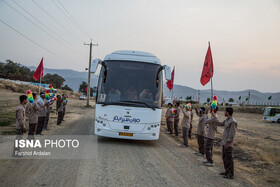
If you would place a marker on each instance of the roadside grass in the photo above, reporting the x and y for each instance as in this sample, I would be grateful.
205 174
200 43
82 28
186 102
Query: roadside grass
269 157
9 132
7 118
256 148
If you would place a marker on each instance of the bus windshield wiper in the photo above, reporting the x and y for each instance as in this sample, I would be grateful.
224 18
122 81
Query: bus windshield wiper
139 102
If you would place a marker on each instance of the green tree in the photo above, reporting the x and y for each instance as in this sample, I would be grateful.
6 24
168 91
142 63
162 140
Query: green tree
83 87
15 71
54 79
66 87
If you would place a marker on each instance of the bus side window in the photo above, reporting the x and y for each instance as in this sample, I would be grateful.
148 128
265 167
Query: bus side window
272 113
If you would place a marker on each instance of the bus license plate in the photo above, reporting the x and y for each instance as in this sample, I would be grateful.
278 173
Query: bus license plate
125 134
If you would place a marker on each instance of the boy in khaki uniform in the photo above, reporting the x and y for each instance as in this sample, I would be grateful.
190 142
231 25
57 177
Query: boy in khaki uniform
210 136
64 106
190 130
176 118
186 124
32 113
169 119
200 130
230 127
48 111
20 122
20 115
42 113
59 109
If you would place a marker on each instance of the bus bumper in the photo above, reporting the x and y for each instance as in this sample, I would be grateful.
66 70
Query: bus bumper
152 135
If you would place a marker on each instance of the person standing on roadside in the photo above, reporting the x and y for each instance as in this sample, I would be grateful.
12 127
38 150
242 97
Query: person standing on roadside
32 111
169 119
190 130
48 111
230 127
186 124
201 129
176 116
42 113
64 106
210 136
20 122
20 115
59 109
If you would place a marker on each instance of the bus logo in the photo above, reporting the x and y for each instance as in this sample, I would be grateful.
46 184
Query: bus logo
126 120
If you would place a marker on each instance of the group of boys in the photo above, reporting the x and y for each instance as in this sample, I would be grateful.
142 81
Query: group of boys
205 142
38 113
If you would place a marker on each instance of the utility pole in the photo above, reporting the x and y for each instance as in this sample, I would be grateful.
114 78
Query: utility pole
89 65
198 96
249 95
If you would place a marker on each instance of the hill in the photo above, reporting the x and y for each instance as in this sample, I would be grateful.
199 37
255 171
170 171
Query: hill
74 78
256 96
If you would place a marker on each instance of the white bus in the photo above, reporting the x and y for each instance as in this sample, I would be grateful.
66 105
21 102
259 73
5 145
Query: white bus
129 95
271 114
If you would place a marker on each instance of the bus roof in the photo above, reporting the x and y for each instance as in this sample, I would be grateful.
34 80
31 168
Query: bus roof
128 55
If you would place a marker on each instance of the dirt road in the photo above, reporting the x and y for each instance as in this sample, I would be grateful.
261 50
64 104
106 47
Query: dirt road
119 163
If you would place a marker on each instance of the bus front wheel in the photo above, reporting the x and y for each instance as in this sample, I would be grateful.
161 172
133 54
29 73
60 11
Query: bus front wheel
278 121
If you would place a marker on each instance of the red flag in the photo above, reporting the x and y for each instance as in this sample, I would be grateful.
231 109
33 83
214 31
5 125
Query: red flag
86 89
39 71
208 64
170 82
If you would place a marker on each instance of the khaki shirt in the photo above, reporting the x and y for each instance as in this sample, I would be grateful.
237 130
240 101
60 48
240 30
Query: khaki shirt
48 108
191 116
168 114
43 111
20 117
229 130
64 104
177 114
186 122
60 109
212 126
201 125
32 111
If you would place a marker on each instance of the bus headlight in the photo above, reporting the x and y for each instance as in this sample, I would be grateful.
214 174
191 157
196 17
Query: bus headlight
154 134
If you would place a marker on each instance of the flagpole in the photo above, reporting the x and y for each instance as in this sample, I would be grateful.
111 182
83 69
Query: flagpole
172 95
173 84
40 81
211 76
211 83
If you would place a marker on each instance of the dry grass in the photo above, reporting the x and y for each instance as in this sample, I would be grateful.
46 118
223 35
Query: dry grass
270 158
256 149
22 88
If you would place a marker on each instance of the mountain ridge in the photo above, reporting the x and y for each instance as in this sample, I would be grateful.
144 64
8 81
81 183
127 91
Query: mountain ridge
74 78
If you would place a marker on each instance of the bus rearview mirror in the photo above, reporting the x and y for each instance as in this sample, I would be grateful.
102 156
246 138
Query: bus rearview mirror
94 65
167 72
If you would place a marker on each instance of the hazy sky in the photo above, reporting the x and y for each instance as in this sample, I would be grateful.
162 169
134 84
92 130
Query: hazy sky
244 36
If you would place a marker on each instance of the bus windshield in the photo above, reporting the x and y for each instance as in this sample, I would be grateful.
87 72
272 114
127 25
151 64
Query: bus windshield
130 83
266 112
